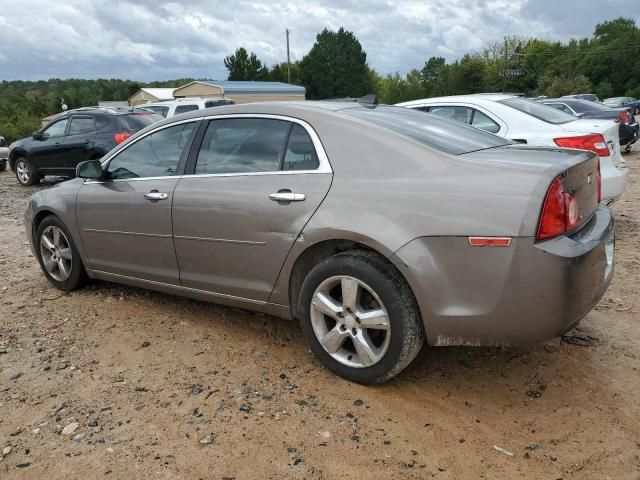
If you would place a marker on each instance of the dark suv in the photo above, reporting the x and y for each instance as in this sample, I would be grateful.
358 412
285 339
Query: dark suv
73 137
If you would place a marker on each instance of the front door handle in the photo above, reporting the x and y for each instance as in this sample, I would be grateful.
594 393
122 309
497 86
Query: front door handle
155 195
287 196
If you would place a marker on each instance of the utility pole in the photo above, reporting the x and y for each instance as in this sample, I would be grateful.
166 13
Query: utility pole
504 66
288 59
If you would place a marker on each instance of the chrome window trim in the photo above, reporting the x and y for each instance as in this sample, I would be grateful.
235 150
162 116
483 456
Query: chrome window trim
109 157
324 167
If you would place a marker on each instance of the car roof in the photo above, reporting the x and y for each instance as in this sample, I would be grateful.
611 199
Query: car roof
99 110
494 97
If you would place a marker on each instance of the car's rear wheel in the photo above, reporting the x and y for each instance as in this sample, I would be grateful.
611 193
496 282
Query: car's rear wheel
58 255
360 317
25 173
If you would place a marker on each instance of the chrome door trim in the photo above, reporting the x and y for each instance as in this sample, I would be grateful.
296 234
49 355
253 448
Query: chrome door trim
119 232
221 240
177 287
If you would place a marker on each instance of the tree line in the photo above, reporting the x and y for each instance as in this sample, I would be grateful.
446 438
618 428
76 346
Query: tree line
607 64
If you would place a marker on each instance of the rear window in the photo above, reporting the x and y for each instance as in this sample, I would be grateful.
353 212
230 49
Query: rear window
539 110
185 108
138 120
445 135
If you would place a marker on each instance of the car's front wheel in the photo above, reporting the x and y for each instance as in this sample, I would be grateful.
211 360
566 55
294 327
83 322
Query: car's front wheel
58 255
25 173
3 165
360 317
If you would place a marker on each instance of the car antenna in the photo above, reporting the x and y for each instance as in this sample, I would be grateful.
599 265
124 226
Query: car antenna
370 100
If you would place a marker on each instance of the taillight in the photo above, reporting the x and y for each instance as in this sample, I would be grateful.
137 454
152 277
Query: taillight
121 137
560 211
624 116
594 142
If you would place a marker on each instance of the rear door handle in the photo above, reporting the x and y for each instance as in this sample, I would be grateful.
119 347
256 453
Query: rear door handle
155 195
287 197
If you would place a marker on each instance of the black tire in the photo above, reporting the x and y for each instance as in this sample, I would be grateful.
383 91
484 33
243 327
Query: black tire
31 178
3 165
78 276
406 329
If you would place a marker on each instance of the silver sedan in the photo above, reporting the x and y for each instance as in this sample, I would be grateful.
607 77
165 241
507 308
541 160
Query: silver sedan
375 227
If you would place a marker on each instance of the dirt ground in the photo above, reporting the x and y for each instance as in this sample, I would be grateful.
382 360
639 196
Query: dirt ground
165 387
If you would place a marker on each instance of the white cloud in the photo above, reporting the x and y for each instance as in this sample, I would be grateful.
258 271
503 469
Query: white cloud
161 39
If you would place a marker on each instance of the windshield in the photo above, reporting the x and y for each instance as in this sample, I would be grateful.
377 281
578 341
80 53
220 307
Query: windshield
436 132
539 110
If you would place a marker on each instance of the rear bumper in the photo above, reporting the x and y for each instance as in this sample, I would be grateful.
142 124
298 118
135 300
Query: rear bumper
524 294
614 180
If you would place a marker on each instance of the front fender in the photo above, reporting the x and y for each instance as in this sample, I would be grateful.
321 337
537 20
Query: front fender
60 200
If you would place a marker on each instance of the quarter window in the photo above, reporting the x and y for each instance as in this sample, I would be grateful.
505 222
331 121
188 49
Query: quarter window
57 129
300 154
156 155
82 125
482 121
243 145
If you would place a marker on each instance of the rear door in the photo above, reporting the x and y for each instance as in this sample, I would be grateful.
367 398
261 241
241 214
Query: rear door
255 181
79 140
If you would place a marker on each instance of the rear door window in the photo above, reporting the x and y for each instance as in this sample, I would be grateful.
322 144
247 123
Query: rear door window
82 125
132 122
185 108
243 145
453 112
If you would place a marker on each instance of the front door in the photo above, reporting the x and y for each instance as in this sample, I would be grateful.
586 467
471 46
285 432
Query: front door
125 220
47 151
255 184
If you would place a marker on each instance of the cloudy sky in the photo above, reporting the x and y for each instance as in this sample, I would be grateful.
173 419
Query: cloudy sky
160 40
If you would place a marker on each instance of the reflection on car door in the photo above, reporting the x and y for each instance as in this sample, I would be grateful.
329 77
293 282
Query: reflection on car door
125 220
47 153
256 183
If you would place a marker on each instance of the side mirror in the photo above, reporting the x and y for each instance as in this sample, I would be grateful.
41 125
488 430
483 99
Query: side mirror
91 169
36 135
579 115
3 142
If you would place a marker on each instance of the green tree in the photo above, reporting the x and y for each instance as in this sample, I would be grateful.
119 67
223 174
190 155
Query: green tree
245 66
336 67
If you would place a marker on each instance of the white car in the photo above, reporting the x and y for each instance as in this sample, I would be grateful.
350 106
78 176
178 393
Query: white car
4 154
182 105
533 123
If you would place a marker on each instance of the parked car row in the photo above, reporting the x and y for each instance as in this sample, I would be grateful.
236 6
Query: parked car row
379 228
533 123
89 133
170 108
4 154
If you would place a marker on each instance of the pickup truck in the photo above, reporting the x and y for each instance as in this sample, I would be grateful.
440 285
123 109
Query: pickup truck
4 154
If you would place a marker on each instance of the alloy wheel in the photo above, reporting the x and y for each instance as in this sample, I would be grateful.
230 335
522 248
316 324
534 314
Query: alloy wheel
350 321
55 251
23 172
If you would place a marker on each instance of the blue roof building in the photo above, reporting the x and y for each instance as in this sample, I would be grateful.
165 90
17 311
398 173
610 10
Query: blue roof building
241 91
